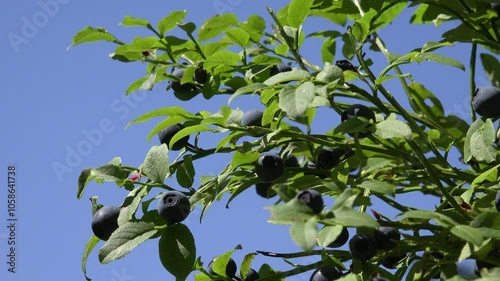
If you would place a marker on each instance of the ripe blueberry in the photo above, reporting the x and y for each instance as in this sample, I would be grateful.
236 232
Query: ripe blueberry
437 255
167 135
313 170
392 261
174 207
497 201
269 167
326 273
312 199
363 247
179 88
264 190
385 237
200 75
278 68
292 161
486 102
359 110
252 275
105 222
252 118
328 157
345 65
349 152
340 240
230 268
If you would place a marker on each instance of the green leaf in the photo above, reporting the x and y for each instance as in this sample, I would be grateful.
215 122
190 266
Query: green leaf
382 79
231 138
353 125
430 215
441 59
290 212
131 203
330 73
188 27
170 121
177 250
270 112
329 234
136 85
164 111
440 139
489 232
125 239
185 172
328 49
108 172
492 68
479 142
379 187
487 219
220 263
219 118
468 234
346 199
84 178
349 217
361 27
201 277
432 45
420 98
489 175
216 25
188 131
252 88
223 58
426 14
386 16
467 145
91 34
156 164
255 26
241 158
294 75
238 36
86 252
304 234
149 82
298 10
141 44
169 22
134 50
295 101
392 128
131 21
246 264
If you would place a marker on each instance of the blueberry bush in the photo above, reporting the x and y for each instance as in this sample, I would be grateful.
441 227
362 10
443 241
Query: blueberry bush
378 150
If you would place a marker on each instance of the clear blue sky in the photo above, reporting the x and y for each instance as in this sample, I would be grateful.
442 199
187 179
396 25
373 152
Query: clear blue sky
51 98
